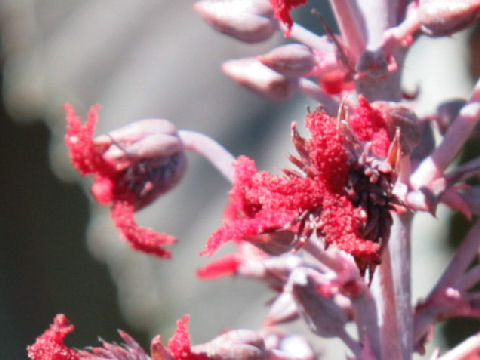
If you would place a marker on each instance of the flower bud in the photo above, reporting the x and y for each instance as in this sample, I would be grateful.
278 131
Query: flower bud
252 74
401 117
447 112
148 154
373 64
321 313
233 345
290 60
250 21
445 17
285 347
282 310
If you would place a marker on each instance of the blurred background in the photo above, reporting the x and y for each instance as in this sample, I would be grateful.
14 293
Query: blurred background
59 251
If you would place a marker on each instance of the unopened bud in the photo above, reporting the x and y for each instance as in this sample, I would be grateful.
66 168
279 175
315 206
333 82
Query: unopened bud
373 64
445 17
148 156
296 347
321 313
282 310
290 60
402 118
274 270
233 345
274 243
447 112
250 21
252 74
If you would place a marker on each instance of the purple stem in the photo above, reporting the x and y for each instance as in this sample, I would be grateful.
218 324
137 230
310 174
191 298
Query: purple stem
434 165
379 15
469 279
306 37
399 250
211 150
452 274
391 342
464 171
396 36
352 31
464 255
367 321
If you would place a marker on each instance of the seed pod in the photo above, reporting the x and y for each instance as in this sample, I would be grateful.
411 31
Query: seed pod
250 21
402 118
282 310
290 60
321 313
445 17
252 74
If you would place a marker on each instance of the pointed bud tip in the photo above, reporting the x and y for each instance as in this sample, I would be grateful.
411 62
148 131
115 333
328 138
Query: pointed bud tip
249 21
252 74
291 60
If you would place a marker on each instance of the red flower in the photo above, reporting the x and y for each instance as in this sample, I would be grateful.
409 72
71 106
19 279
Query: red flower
339 194
179 347
132 167
282 10
226 265
50 346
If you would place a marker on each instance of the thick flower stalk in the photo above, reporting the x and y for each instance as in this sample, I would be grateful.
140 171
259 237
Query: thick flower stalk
331 235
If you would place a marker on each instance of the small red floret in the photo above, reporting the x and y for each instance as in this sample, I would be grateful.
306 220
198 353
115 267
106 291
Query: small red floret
224 266
369 125
179 345
50 345
109 187
140 238
282 10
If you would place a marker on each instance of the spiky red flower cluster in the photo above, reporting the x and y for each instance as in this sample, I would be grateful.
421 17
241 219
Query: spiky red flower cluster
282 10
50 345
110 186
314 200
369 125
179 346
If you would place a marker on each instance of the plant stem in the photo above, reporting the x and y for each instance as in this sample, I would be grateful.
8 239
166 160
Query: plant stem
351 29
399 251
452 274
211 150
457 134
306 37
464 255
